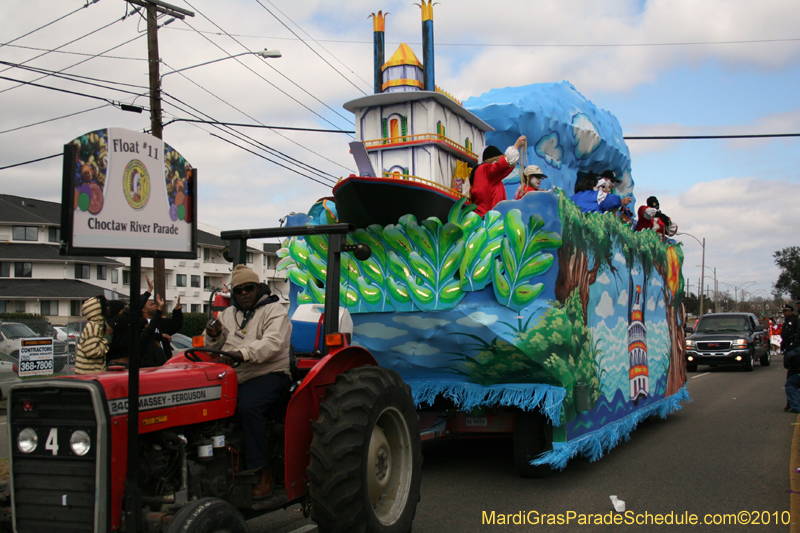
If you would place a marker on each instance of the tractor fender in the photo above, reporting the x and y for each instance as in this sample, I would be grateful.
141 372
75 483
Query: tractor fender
304 409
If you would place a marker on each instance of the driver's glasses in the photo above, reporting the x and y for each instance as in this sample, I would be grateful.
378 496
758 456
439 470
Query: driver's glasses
244 288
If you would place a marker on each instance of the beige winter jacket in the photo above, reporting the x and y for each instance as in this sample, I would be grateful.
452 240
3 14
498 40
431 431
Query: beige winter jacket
92 348
264 341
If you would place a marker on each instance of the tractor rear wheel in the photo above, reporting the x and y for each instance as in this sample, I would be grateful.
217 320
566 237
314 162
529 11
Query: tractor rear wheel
207 515
366 456
533 435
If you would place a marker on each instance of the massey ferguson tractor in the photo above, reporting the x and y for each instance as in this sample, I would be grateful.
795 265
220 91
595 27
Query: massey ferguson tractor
346 446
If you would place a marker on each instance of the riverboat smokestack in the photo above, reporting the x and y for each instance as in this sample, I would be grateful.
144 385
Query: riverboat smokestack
378 27
427 45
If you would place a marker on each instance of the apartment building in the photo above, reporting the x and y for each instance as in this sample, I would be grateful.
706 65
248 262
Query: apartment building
34 278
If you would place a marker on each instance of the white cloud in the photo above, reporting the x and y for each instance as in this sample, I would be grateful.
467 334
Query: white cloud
651 304
418 322
661 304
619 258
623 298
375 330
605 308
477 319
416 348
603 279
655 282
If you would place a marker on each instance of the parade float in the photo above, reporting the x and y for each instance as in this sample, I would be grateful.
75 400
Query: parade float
563 328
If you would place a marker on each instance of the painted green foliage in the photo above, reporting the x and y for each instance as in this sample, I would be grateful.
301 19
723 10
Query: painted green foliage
557 350
483 238
522 259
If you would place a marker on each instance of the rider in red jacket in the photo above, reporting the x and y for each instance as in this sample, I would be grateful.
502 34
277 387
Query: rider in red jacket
486 180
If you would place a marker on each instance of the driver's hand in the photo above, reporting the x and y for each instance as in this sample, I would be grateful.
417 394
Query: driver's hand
235 357
225 360
214 327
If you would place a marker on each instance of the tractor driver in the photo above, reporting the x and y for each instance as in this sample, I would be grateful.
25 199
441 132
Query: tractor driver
256 330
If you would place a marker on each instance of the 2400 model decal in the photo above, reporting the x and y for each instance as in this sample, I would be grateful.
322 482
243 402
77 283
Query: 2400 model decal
167 399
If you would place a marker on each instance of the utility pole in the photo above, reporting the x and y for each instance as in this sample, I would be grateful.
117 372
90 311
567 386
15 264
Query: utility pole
154 7
133 503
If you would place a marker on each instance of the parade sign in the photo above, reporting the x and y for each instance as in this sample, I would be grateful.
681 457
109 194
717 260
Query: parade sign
126 191
36 357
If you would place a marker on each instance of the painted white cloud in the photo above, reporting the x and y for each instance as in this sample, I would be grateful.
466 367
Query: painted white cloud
619 258
623 298
586 136
375 330
549 149
605 308
416 348
651 304
603 279
656 283
661 304
477 319
418 322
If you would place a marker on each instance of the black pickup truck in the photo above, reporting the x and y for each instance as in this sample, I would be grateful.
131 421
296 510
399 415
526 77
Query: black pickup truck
728 339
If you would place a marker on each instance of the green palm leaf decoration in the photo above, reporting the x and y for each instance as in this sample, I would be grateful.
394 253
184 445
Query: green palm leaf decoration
521 259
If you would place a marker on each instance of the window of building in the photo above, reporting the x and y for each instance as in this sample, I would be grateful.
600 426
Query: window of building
115 276
206 283
205 308
264 260
196 281
48 307
5 269
54 234
75 307
180 280
102 272
126 277
195 308
440 129
81 271
2 306
23 270
206 254
249 257
26 233
20 306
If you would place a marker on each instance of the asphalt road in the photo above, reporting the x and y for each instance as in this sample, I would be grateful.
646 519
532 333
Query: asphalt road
726 451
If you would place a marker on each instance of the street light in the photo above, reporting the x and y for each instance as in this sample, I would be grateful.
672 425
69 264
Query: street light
716 286
702 270
266 54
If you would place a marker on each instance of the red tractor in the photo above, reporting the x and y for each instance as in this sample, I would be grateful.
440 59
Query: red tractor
346 446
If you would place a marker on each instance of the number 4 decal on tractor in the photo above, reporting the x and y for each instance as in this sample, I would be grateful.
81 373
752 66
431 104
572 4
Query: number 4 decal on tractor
52 441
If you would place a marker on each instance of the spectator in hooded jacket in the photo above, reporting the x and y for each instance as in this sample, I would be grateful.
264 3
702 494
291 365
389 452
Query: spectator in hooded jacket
486 180
95 338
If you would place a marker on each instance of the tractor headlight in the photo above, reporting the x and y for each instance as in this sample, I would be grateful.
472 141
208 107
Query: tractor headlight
80 442
27 440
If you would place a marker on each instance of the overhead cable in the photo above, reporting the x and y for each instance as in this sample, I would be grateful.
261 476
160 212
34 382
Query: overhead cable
55 118
308 45
74 53
239 124
88 3
680 137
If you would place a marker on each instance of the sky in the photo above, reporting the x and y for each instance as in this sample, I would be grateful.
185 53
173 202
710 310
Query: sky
663 67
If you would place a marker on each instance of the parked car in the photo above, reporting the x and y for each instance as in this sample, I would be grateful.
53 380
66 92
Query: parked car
728 339
12 332
180 342
8 376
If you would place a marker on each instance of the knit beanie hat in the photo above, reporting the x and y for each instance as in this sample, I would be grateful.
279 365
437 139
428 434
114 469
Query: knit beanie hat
242 274
114 307
652 202
490 152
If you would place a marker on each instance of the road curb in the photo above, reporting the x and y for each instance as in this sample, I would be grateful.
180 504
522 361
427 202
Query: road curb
794 477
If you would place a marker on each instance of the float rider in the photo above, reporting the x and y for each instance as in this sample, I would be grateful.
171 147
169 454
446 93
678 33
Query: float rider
256 330
486 187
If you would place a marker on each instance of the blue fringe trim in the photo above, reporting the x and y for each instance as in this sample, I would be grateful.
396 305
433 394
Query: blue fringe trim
593 445
466 396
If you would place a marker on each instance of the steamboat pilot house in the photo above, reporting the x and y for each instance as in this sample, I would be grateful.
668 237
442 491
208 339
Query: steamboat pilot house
639 372
419 141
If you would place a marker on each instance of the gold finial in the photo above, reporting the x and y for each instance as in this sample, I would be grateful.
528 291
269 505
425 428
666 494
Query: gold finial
379 21
427 9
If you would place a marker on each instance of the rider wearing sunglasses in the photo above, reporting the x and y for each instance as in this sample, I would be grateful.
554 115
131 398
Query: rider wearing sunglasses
256 331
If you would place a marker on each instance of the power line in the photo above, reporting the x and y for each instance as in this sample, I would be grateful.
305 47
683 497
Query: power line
276 70
49 23
54 119
31 161
308 45
112 102
512 45
50 50
238 124
680 137
78 79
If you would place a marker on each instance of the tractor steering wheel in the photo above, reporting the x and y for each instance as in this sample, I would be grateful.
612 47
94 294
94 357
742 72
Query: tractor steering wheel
191 355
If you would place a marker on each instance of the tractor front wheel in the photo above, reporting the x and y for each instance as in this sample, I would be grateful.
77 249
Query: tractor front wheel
366 456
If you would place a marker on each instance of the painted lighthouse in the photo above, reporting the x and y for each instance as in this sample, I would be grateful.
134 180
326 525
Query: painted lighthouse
639 373
415 142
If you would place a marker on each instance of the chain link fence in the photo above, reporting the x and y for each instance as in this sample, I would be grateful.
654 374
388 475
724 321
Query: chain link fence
14 328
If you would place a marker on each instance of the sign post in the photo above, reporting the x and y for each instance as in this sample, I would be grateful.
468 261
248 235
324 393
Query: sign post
128 194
